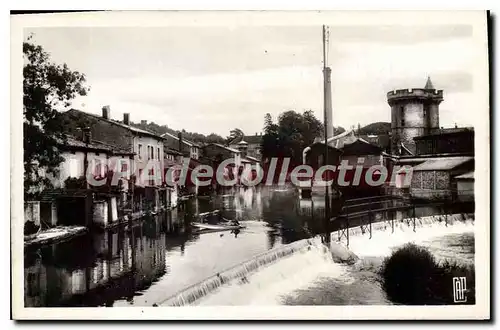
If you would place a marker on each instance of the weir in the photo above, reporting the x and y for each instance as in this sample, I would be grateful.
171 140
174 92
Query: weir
387 234
196 291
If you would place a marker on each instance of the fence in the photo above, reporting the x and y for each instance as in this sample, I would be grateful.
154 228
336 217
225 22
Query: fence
363 212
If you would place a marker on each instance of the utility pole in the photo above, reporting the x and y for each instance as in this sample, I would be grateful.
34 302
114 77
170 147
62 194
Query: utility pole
325 107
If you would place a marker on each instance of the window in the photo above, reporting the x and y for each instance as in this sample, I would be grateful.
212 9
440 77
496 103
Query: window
402 122
139 150
124 166
158 153
73 167
98 168
150 152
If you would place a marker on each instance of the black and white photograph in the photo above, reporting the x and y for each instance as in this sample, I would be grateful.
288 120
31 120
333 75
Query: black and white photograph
250 165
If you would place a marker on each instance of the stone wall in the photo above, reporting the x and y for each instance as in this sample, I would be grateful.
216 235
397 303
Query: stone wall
430 180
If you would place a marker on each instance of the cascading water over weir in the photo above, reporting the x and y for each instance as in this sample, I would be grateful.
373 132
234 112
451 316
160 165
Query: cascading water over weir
202 289
306 260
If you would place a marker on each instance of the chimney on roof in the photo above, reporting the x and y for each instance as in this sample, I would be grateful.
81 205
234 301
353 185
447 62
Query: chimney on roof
87 135
179 135
126 118
105 112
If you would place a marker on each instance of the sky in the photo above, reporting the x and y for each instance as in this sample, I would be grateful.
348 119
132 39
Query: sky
216 78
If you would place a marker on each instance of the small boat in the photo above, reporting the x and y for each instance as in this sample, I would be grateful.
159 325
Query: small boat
206 214
206 228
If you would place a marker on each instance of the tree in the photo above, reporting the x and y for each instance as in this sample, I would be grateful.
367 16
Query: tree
270 140
234 133
289 137
46 87
214 138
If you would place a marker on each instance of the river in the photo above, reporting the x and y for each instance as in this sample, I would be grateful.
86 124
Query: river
146 264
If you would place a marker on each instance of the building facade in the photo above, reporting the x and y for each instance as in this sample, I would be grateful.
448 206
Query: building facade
146 146
251 143
82 156
436 177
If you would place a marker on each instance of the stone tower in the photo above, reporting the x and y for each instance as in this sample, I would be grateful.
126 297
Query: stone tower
414 112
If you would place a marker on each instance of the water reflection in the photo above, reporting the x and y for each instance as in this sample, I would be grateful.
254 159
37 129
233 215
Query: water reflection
97 269
121 266
145 264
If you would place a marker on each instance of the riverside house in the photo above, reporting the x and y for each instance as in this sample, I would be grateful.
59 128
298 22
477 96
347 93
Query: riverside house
147 166
146 146
57 206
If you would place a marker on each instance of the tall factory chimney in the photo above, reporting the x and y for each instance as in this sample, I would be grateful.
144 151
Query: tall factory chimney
328 102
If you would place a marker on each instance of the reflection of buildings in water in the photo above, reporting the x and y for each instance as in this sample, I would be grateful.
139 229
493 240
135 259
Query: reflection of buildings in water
306 207
247 198
117 255
196 206
78 283
312 208
173 220
35 283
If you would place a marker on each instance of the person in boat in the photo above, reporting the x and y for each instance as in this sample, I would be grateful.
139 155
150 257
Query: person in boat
234 223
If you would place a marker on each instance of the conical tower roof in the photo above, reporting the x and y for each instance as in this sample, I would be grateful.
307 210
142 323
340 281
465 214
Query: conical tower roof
428 84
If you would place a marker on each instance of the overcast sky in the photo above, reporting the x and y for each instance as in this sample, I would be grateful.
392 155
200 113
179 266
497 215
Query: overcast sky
214 79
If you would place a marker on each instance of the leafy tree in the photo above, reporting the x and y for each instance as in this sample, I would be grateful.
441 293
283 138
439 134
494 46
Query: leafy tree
270 140
233 134
214 138
289 137
46 87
